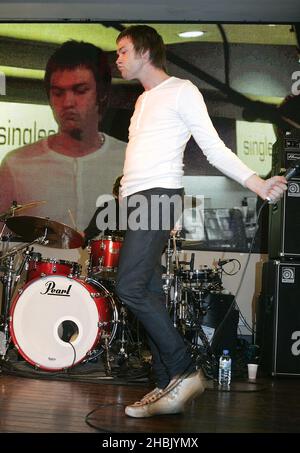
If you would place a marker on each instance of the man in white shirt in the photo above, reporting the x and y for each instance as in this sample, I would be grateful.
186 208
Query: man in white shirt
69 170
168 112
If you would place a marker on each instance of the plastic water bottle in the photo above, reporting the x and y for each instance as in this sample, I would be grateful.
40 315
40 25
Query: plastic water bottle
225 369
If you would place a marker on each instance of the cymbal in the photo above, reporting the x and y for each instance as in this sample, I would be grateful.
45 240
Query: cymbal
19 207
57 234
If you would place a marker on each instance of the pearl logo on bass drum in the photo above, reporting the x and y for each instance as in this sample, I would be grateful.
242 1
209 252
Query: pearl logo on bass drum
288 275
51 290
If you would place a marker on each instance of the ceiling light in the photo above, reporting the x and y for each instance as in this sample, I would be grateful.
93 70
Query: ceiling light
191 34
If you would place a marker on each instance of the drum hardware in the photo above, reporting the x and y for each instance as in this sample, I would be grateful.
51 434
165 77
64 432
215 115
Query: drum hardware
123 341
103 324
173 248
45 344
57 234
108 358
2 231
187 309
168 276
125 337
9 283
39 240
186 291
128 343
16 208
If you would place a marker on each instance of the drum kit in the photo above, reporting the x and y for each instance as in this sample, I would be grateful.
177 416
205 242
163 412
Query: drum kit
56 318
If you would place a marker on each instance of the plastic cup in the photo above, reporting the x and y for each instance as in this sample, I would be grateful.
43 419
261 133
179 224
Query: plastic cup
252 371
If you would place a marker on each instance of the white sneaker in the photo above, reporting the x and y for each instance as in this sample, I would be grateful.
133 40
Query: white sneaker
171 400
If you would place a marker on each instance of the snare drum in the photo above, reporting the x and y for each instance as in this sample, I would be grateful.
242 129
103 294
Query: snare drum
105 253
39 267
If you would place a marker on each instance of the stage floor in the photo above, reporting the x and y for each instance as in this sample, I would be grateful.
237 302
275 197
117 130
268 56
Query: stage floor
34 405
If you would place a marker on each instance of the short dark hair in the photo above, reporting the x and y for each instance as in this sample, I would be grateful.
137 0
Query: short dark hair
146 38
72 54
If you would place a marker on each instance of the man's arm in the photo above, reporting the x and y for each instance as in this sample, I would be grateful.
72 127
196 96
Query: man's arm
271 189
194 111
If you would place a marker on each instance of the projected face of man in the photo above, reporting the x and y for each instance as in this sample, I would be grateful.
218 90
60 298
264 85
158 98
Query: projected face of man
73 99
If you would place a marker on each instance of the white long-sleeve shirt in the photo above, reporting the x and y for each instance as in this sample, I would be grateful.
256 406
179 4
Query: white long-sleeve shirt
163 121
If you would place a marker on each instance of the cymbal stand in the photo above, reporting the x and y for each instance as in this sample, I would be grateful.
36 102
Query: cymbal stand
123 322
173 287
168 276
41 240
9 284
107 362
2 230
6 297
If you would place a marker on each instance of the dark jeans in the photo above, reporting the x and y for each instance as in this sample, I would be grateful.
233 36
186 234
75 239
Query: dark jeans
139 286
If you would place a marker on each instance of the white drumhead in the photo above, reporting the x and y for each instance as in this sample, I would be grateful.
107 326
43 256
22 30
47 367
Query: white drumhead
38 316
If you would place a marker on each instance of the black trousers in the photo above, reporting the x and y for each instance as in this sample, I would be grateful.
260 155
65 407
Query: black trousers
139 286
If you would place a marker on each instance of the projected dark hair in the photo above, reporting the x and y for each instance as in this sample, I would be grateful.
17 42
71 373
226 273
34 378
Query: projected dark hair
72 54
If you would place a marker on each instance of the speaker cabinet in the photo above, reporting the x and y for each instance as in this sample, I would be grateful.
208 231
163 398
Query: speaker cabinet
278 318
284 216
284 224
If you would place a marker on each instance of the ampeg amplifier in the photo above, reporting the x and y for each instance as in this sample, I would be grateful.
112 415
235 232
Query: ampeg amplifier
278 318
284 224
285 151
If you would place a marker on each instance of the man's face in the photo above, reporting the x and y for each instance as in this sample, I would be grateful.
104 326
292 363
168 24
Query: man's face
129 62
73 99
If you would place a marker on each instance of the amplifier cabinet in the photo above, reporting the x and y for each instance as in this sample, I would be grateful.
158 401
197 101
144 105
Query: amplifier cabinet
278 318
284 224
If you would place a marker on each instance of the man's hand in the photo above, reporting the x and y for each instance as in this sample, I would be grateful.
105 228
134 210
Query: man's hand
270 189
